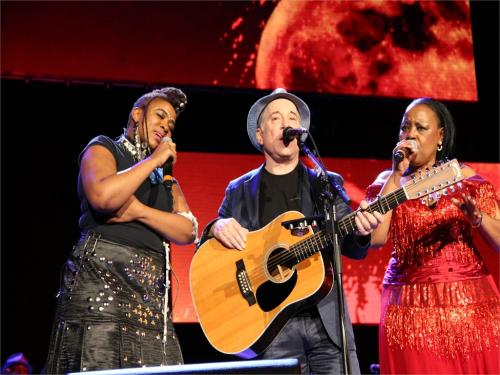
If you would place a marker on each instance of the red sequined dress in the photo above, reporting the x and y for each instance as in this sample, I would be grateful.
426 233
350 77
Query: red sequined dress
440 311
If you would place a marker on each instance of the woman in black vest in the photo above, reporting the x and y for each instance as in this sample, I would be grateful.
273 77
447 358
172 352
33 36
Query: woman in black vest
113 306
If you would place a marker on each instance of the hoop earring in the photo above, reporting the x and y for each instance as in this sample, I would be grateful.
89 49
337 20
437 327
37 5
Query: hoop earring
440 146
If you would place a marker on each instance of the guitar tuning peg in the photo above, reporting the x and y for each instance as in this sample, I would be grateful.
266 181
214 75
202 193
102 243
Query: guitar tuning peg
438 195
445 191
423 201
300 231
459 185
452 188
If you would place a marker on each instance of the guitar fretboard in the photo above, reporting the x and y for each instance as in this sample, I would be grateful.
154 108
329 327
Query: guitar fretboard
320 240
383 204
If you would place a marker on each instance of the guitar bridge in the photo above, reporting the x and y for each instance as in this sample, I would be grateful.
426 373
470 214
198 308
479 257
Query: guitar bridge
244 283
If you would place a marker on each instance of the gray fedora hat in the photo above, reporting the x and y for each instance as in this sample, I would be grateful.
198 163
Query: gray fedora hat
259 106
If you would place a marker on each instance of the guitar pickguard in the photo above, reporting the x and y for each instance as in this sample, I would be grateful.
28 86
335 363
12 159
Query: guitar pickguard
271 294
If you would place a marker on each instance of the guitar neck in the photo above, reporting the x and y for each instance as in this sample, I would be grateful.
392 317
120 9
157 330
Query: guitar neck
383 204
430 182
320 240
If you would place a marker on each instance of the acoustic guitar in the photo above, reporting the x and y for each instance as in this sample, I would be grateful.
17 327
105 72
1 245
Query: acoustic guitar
244 298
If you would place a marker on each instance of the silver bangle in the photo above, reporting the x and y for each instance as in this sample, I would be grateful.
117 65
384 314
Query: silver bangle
194 222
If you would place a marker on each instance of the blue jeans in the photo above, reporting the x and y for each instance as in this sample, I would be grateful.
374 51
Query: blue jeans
305 338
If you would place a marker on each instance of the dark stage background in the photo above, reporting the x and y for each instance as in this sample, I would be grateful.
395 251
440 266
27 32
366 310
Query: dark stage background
46 123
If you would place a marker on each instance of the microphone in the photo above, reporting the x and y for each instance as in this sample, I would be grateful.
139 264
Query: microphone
400 154
289 134
167 167
167 173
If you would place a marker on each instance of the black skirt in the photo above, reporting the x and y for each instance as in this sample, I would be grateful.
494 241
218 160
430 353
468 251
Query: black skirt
110 310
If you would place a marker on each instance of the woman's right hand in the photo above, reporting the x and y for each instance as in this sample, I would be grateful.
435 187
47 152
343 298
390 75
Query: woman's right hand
407 147
166 149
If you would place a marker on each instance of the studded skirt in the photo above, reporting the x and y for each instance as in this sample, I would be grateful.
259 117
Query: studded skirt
110 310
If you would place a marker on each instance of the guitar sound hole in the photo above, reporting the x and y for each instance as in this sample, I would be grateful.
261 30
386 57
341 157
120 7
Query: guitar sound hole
280 266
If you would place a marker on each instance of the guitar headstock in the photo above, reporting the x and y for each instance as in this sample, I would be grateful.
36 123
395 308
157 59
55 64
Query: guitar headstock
430 184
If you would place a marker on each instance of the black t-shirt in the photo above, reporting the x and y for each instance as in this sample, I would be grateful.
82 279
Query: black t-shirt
131 233
278 194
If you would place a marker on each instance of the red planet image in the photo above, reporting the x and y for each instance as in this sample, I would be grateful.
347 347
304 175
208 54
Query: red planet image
381 48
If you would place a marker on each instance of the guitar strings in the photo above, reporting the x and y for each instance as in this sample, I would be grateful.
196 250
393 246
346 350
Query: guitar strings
298 250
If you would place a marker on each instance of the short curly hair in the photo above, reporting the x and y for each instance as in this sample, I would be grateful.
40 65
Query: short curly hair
172 95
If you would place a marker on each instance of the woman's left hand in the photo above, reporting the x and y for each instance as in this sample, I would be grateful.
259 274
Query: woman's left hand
130 211
469 208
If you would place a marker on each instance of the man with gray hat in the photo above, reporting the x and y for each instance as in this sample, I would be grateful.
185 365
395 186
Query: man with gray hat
283 184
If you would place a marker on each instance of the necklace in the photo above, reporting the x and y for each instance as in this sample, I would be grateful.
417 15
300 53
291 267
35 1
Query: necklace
128 146
157 175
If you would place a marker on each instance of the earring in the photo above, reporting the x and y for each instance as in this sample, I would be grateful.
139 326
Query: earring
136 134
440 146
137 142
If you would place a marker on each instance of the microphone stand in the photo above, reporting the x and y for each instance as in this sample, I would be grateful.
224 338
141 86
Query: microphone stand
328 197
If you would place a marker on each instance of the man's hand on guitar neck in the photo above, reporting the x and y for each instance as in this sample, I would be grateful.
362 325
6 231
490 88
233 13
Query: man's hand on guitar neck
230 233
366 221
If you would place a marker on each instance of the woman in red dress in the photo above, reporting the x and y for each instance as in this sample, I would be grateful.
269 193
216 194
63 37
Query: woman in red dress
440 309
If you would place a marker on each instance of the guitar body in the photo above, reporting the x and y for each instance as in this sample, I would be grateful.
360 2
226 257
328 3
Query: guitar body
244 298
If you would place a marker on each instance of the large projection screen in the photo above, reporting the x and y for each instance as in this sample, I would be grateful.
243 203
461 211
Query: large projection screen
376 48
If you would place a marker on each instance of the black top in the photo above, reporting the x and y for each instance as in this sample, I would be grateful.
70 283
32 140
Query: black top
278 194
130 233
